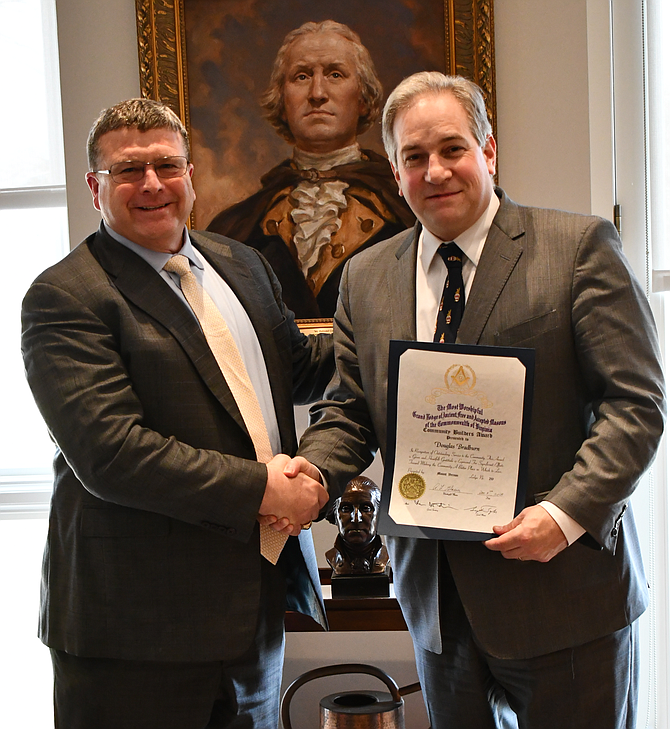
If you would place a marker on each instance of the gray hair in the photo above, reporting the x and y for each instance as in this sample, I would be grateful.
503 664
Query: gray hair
467 93
272 100
142 114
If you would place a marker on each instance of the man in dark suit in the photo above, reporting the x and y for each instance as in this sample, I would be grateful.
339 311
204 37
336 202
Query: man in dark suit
542 617
157 605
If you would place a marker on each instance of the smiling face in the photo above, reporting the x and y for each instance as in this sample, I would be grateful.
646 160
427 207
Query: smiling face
153 211
441 170
322 97
356 516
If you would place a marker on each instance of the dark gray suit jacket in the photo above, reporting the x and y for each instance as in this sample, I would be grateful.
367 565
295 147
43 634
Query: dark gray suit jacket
556 282
153 546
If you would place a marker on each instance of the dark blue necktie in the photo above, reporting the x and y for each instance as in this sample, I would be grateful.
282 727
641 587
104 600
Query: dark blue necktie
450 313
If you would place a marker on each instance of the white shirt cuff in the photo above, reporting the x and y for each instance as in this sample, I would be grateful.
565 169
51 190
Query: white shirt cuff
324 483
571 530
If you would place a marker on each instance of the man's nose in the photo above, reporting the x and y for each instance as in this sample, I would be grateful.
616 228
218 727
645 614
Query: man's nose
317 89
437 171
151 181
356 515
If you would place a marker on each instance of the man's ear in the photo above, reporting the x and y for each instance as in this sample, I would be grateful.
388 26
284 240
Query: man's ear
94 186
490 154
190 174
397 178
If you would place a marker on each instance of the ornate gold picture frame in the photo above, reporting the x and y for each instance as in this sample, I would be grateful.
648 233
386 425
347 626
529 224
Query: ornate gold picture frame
210 61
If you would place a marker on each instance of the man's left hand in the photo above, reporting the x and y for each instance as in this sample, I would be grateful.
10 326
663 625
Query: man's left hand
532 535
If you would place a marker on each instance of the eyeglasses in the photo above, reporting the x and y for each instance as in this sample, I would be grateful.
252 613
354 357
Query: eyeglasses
134 170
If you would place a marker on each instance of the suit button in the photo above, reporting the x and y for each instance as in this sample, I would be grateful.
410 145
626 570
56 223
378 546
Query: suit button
614 532
231 532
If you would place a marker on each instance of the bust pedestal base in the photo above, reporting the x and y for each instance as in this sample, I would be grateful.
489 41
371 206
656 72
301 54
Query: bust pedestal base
370 585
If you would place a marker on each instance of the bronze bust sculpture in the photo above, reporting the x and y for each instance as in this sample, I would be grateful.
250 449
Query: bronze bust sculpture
358 549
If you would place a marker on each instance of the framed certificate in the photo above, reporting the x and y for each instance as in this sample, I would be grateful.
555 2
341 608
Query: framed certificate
458 428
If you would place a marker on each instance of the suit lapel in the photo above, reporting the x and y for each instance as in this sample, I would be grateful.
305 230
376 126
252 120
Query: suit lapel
140 284
500 254
401 281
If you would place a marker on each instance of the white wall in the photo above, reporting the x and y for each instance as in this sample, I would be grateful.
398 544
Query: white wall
552 138
99 67
542 92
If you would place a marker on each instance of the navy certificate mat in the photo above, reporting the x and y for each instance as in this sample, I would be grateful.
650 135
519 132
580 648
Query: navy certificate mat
386 524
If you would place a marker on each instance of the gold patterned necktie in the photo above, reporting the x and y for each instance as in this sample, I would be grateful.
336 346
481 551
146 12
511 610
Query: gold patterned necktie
450 313
232 366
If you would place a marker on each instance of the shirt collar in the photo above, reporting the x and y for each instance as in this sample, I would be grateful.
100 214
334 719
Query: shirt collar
156 259
471 241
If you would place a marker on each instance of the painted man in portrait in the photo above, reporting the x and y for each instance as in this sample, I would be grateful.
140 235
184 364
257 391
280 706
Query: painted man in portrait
331 198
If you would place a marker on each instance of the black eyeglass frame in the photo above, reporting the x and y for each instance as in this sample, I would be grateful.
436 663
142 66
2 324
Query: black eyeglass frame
116 170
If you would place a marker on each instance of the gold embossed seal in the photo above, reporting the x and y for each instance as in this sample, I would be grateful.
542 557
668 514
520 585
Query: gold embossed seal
412 486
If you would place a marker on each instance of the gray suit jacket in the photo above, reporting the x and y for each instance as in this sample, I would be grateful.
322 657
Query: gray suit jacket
153 546
556 282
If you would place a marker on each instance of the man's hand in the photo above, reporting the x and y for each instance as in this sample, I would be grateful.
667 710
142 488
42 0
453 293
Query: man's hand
532 535
293 495
301 465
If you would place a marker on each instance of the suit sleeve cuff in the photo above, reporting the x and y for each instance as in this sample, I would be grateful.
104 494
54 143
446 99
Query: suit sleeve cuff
571 530
324 482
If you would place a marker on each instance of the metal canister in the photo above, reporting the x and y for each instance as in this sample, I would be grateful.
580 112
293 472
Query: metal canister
354 709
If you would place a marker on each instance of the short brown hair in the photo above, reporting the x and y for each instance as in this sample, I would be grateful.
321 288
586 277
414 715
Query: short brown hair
142 114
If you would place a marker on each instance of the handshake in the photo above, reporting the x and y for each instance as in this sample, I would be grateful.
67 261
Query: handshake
293 495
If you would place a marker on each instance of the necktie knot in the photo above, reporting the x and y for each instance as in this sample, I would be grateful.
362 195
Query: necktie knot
178 264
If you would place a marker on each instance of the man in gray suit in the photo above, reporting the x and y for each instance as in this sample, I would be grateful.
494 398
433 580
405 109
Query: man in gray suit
542 617
157 605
